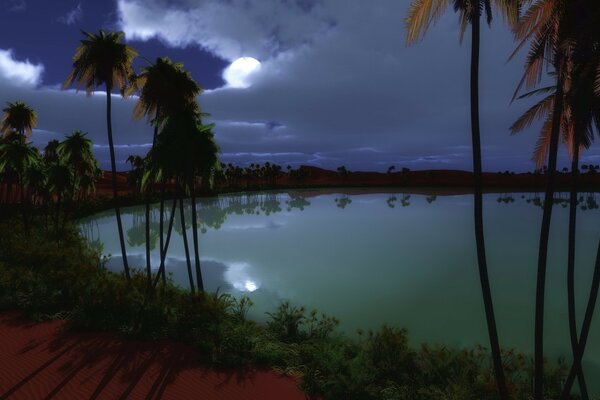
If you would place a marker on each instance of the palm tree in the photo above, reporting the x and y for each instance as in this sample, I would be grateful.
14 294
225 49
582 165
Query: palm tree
18 117
183 232
560 33
581 111
59 178
584 119
165 88
16 157
103 60
421 15
184 150
51 152
34 180
76 152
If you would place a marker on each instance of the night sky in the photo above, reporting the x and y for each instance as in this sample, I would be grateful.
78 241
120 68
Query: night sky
336 84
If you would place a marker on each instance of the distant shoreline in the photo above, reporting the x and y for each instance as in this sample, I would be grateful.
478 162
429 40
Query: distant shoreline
428 182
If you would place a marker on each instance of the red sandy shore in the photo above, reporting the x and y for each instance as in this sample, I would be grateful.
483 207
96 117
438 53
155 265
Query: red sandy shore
43 361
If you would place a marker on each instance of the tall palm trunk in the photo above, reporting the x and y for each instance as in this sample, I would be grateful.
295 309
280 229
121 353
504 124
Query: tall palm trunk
585 329
147 229
163 256
161 223
478 211
113 168
543 245
57 215
148 266
24 202
185 245
200 283
571 262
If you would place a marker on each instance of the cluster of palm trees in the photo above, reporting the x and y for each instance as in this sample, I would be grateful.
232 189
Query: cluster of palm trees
563 37
65 171
258 174
184 153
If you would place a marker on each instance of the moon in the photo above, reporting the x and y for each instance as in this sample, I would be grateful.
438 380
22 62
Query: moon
239 73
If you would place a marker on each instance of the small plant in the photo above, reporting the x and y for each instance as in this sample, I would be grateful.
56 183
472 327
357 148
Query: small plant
286 321
320 326
241 307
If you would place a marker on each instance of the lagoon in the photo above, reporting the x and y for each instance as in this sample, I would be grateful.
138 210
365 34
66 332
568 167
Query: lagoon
370 258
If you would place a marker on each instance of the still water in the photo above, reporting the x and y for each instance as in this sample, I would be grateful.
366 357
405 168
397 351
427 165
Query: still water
372 258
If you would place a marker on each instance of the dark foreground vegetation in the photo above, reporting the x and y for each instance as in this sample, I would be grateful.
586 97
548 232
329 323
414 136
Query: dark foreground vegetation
54 274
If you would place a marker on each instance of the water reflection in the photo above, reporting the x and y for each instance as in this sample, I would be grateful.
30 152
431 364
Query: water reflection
391 200
405 200
413 267
297 202
585 201
136 235
343 201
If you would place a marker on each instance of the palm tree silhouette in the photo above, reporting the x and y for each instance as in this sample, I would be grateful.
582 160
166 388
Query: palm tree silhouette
164 88
183 231
51 151
34 180
59 178
103 60
580 113
422 14
75 151
184 150
16 157
560 33
18 117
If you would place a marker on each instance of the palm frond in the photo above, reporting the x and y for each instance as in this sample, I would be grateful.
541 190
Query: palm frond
510 10
421 14
539 110
540 154
535 92
536 15
597 81
488 12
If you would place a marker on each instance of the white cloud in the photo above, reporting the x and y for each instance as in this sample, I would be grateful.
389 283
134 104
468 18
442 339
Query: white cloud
72 16
19 73
230 29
